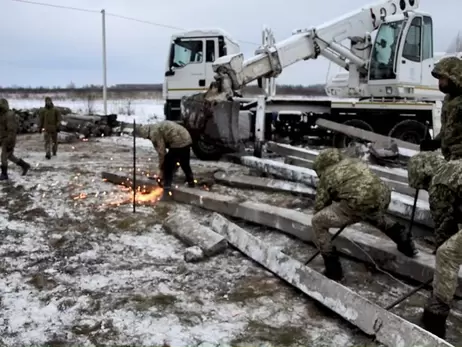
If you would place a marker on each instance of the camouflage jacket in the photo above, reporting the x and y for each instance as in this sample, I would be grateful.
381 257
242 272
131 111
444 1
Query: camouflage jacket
445 198
166 134
451 113
9 125
351 181
443 181
50 118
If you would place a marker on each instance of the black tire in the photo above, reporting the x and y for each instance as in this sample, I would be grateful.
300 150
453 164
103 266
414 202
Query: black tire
206 151
341 140
410 131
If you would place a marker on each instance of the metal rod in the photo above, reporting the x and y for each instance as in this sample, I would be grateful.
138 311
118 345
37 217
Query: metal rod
134 166
332 239
103 15
412 292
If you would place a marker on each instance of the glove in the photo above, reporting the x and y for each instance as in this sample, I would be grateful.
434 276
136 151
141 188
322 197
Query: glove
430 145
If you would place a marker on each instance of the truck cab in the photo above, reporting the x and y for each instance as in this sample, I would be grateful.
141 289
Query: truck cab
189 69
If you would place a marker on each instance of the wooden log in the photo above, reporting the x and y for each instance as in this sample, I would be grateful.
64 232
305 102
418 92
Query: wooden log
243 181
387 328
184 227
399 187
400 206
368 136
295 154
382 250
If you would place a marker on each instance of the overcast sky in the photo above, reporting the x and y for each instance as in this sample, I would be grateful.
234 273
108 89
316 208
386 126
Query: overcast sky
44 46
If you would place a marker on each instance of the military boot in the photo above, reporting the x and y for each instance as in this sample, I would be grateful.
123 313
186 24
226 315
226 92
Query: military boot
435 315
166 195
403 239
54 152
333 266
24 166
4 174
48 155
191 183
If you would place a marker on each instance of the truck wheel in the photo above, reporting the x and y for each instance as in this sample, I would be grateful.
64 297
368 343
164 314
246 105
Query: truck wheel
206 151
410 131
341 140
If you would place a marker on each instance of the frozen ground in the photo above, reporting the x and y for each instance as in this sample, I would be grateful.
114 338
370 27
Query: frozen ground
145 110
79 268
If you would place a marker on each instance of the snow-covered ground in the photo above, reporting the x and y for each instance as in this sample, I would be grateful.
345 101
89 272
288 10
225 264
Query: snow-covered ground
80 268
145 110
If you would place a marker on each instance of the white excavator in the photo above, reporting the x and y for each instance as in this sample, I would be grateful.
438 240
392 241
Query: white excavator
387 87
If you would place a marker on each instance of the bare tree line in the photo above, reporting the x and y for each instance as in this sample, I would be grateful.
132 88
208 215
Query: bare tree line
146 90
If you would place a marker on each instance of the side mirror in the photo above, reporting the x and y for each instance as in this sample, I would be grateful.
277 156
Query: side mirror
170 73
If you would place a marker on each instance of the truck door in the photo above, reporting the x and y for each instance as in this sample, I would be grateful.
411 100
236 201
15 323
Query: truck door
211 53
409 64
427 53
187 74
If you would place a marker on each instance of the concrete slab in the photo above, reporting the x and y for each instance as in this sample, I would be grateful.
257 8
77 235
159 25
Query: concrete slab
401 205
368 135
387 328
394 174
399 187
251 182
184 226
382 250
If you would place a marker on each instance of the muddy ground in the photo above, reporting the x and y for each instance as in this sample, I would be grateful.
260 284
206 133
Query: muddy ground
80 268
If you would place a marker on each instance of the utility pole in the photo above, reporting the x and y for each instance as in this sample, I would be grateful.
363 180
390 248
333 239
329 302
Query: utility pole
103 14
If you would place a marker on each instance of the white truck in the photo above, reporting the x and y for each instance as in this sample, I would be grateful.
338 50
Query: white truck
388 87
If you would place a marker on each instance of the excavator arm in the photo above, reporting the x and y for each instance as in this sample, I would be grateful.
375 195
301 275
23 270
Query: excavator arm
233 72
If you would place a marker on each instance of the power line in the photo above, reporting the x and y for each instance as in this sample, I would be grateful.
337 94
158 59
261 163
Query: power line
62 7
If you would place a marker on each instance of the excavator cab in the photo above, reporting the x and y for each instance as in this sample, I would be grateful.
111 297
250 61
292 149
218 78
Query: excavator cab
402 58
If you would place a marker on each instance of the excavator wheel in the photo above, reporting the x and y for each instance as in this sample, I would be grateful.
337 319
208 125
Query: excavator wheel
204 150
341 140
410 130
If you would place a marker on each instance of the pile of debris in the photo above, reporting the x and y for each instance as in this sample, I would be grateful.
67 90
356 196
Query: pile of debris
29 119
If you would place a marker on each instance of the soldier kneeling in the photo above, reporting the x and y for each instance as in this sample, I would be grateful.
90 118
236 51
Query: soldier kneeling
176 138
348 192
443 181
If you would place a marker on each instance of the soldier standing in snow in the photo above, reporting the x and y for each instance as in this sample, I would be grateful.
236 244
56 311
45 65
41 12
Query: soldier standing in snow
9 126
50 119
174 137
443 181
349 192
448 71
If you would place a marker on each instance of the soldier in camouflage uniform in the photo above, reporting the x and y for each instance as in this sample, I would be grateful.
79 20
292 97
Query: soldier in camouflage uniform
448 71
9 126
174 137
50 119
349 192
443 181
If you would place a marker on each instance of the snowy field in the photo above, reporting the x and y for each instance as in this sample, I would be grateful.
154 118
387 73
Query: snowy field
80 268
146 110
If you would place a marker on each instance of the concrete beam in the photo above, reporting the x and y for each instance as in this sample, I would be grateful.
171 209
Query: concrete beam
400 206
399 187
368 136
184 226
250 182
394 174
298 224
388 328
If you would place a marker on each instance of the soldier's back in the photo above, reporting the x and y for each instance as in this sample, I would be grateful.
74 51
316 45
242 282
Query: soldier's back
175 135
354 182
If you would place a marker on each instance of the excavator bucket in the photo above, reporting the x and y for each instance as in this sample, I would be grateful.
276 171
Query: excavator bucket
213 119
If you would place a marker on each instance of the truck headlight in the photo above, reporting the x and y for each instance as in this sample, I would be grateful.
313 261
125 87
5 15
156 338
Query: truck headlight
389 90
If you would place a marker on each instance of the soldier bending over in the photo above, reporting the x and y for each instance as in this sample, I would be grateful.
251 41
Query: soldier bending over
176 138
443 181
50 119
8 130
349 192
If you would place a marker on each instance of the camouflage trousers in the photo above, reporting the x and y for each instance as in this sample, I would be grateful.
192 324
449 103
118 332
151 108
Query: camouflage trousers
8 154
448 262
339 214
51 141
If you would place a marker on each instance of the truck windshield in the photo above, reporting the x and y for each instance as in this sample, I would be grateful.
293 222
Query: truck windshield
187 52
383 53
